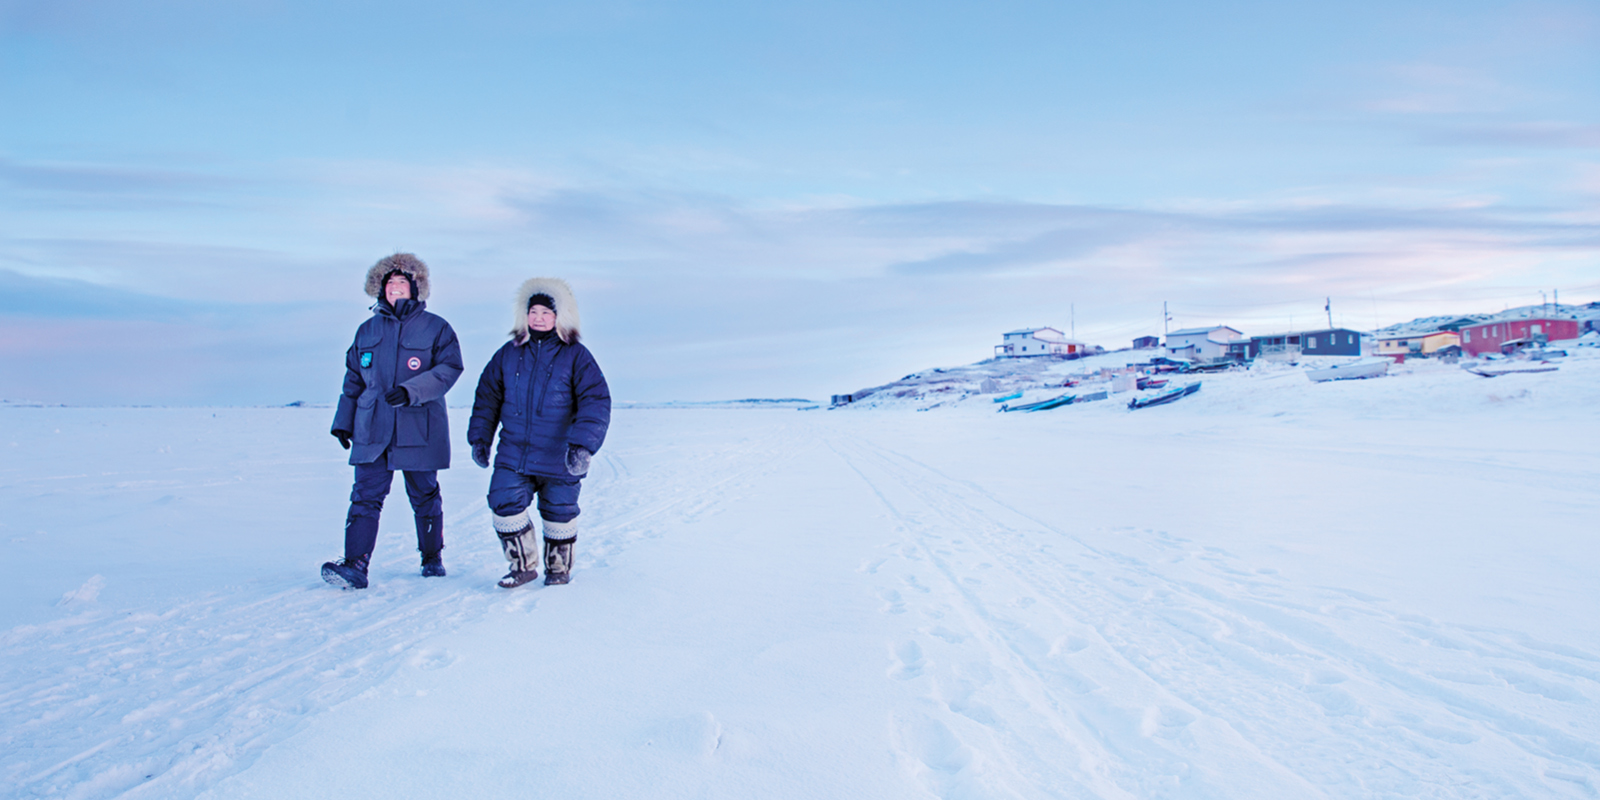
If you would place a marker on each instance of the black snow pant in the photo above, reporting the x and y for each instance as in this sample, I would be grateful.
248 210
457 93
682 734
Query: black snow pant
366 503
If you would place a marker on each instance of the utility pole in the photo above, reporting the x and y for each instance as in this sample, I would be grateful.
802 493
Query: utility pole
1328 307
1165 318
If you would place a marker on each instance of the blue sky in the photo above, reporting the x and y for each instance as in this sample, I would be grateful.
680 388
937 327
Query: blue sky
768 199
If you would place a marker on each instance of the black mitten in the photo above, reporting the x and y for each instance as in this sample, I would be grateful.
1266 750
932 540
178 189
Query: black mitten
480 454
577 460
398 396
343 437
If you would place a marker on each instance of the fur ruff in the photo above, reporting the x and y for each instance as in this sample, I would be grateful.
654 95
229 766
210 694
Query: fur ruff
404 262
566 308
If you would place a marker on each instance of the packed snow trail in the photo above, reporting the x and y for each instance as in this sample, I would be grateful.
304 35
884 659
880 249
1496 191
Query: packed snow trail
163 699
1246 595
1163 666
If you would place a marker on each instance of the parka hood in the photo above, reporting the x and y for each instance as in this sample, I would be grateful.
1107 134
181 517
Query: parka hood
401 262
566 308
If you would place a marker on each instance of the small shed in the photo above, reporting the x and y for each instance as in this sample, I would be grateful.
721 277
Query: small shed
1147 342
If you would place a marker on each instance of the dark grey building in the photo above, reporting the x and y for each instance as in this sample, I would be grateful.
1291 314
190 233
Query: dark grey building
1325 342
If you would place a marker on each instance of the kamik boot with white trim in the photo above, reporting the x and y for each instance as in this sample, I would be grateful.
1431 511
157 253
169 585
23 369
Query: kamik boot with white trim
559 538
519 542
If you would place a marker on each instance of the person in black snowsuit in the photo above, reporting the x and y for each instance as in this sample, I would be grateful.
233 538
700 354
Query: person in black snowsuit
550 401
391 415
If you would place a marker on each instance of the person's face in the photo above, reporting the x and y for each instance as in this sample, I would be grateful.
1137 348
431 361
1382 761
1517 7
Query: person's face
398 288
541 319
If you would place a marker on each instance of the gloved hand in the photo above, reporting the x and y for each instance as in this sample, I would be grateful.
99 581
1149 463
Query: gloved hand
343 437
398 396
577 460
480 454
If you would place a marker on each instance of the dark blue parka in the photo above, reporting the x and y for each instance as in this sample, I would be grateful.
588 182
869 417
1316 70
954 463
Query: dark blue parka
544 394
410 348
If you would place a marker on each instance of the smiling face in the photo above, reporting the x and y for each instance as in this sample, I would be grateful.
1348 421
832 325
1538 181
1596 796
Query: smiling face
397 288
541 319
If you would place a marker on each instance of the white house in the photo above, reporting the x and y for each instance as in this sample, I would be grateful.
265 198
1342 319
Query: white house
1202 343
1036 342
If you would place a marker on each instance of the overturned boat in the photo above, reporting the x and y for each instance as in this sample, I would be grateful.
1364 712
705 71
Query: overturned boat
1365 368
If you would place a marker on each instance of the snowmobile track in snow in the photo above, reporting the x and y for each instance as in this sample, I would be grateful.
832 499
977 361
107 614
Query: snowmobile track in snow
1234 674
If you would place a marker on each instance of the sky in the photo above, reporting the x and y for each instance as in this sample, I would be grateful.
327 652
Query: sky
768 199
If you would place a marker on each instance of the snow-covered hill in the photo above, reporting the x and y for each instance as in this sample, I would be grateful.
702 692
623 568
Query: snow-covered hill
1269 589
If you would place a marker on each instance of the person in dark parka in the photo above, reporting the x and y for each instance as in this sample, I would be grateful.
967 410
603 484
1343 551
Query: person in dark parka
391 415
550 401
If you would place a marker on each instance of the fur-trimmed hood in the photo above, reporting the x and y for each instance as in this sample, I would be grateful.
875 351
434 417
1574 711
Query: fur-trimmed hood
566 308
402 262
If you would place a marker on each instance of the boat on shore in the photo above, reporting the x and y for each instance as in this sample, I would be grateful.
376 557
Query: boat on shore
1165 397
1496 369
1365 368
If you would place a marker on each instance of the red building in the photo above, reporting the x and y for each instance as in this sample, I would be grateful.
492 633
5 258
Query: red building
1486 337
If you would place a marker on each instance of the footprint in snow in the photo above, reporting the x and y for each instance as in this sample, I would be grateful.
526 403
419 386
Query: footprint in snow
928 741
1164 721
908 661
698 734
433 658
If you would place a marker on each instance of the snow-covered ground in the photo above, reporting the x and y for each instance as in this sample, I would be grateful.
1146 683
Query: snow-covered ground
1269 589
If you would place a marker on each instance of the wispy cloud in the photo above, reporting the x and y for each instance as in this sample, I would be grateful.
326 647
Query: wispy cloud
103 179
1563 135
793 292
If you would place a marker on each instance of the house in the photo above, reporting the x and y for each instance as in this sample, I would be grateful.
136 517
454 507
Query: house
1454 325
1487 336
1588 318
1206 344
1147 342
1415 343
1324 342
1030 342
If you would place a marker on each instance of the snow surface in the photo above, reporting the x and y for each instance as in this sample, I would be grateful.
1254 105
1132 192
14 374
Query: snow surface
1269 589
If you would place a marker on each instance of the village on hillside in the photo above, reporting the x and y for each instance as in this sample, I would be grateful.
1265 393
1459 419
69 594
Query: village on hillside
1030 359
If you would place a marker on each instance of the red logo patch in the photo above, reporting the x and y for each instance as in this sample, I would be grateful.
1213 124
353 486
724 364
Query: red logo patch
415 363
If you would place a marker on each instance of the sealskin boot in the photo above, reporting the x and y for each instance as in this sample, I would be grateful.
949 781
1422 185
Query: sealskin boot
557 562
517 540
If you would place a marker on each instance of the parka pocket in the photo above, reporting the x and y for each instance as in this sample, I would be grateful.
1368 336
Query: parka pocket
411 426
366 407
416 351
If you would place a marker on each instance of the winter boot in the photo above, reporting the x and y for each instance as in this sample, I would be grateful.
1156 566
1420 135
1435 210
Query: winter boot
430 540
558 540
517 539
346 573
432 565
360 535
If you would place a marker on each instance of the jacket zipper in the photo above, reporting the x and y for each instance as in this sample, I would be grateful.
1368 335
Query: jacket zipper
544 386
